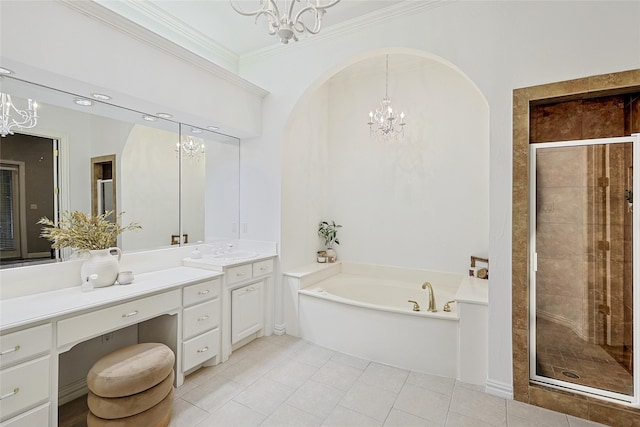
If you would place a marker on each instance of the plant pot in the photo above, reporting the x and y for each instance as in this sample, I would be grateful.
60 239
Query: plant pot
331 255
104 264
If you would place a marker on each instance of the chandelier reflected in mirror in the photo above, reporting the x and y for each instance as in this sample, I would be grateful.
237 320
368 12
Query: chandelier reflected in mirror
286 24
191 148
384 123
12 117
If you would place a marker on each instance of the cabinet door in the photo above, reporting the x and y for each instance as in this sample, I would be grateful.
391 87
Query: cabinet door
247 311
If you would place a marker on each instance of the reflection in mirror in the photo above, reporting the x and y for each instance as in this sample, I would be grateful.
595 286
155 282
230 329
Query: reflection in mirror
48 169
210 186
76 155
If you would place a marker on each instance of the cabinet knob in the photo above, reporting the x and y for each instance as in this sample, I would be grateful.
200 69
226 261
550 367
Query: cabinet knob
13 393
10 350
133 313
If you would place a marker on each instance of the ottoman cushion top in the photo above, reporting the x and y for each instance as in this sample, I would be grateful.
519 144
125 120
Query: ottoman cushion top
130 370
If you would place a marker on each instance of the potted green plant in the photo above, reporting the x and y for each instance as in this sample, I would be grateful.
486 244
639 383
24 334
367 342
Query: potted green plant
329 232
94 234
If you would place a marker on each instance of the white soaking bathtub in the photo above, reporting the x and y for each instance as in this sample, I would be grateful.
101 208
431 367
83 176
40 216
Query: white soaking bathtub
364 311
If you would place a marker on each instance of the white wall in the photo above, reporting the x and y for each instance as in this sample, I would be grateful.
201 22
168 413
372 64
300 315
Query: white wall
499 46
419 202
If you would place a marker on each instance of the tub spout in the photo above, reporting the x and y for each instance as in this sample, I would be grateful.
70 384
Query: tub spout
432 299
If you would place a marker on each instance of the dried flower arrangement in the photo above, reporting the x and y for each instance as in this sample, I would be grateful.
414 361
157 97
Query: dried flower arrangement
81 231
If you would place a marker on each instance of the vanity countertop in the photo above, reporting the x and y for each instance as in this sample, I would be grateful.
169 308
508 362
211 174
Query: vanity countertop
21 311
219 264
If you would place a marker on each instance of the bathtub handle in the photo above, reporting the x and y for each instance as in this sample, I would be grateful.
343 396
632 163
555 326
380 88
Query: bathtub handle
416 306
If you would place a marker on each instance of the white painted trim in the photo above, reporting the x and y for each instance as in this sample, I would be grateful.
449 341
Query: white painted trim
102 14
499 389
72 391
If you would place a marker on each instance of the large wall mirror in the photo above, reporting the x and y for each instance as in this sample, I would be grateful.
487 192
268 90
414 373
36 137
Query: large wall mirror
180 183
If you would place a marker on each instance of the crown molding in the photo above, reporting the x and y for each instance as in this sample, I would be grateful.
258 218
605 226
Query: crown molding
408 7
102 14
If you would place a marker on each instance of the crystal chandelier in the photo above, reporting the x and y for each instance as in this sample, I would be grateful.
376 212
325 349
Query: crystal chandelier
286 25
12 117
384 123
191 148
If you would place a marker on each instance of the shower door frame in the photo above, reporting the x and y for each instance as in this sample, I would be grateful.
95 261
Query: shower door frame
634 399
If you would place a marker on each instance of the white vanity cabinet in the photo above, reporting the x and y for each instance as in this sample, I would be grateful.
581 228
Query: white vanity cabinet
179 306
247 311
25 365
201 318
247 303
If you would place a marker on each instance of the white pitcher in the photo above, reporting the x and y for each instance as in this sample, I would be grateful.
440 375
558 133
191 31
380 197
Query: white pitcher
104 264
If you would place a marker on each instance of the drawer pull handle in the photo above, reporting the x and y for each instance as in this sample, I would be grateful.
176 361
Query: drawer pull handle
241 274
202 318
206 291
11 350
263 268
202 350
14 392
133 313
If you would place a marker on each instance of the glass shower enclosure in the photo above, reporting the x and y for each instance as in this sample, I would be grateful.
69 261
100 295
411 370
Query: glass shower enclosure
584 270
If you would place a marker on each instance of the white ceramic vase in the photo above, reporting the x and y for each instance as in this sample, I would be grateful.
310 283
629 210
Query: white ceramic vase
104 264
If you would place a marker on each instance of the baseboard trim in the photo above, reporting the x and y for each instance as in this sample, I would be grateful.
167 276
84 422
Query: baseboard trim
280 329
499 389
72 391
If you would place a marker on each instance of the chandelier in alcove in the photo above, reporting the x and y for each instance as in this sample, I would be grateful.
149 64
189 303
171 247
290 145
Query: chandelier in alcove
384 123
286 24
12 117
191 148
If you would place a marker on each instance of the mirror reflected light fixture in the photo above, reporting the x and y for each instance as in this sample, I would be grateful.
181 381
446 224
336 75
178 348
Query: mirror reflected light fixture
286 25
384 123
12 117
190 147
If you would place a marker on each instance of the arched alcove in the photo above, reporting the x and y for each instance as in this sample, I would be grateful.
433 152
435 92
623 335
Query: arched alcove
420 203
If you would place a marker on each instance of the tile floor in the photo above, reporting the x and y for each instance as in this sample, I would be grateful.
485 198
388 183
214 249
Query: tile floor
286 381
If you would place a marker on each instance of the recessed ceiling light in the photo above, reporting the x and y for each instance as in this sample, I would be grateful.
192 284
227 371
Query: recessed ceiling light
196 130
5 71
213 127
164 115
101 96
84 102
149 118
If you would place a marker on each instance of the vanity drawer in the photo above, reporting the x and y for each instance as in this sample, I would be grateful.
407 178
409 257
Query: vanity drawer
21 345
200 318
200 349
201 292
89 325
36 417
239 273
261 268
23 386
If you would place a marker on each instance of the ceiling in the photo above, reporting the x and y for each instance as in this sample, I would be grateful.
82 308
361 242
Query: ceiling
212 29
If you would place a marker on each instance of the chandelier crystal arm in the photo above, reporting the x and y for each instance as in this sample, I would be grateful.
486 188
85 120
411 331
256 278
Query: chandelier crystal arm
12 117
288 24
319 12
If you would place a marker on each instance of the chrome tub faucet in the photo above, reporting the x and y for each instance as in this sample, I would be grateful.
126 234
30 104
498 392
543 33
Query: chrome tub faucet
432 298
